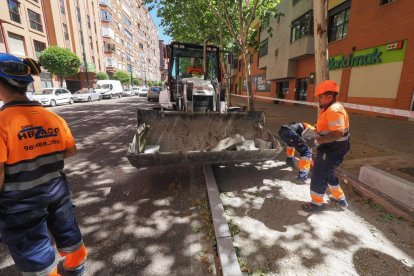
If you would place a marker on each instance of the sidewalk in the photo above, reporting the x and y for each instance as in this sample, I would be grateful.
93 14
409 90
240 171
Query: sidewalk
384 143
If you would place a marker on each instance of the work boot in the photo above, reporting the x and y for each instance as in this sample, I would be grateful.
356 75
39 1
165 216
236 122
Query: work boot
78 272
341 203
303 180
312 208
290 162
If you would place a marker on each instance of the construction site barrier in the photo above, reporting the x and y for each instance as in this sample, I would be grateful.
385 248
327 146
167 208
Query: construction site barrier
368 108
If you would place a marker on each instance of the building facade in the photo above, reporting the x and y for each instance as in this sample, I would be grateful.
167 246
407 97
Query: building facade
23 32
371 53
130 39
75 25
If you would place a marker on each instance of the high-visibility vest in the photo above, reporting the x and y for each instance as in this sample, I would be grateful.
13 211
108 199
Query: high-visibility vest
333 118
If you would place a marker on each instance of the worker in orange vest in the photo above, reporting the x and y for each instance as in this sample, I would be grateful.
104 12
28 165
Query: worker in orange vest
291 134
333 128
35 200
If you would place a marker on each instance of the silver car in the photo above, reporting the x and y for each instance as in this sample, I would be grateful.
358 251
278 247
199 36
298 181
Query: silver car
86 95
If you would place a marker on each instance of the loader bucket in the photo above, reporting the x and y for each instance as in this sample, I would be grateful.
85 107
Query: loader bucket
174 137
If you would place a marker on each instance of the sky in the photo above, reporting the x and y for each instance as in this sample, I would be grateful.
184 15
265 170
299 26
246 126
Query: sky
157 22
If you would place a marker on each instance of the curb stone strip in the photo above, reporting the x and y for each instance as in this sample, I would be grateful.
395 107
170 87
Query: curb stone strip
227 254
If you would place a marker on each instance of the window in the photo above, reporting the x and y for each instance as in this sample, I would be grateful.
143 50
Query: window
16 44
339 21
65 31
14 10
126 21
302 26
39 47
263 48
46 80
106 16
62 6
79 15
88 21
109 47
251 58
384 2
107 32
128 34
35 20
110 62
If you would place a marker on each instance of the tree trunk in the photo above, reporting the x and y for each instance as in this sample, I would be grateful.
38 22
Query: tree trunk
223 62
250 96
320 23
61 81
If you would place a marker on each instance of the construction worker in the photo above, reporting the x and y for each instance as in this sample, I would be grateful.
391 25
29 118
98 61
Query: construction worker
291 134
35 197
333 128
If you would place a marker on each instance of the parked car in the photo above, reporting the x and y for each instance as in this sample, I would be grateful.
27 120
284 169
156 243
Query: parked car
53 96
109 88
135 91
154 94
86 95
127 93
143 92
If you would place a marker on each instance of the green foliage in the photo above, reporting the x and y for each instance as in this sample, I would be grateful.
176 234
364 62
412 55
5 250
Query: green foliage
60 61
136 82
150 84
102 76
122 76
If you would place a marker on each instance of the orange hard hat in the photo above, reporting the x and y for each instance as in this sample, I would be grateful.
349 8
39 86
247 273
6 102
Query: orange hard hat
327 86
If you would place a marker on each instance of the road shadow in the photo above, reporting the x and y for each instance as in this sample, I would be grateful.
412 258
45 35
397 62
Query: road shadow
260 201
368 261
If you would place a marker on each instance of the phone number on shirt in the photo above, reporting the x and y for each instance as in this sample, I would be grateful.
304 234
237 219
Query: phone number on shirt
42 144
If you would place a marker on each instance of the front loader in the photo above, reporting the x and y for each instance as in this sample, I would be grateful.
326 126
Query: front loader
194 124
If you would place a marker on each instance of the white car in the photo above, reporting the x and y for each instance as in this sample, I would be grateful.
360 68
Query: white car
143 92
53 96
127 93
135 91
87 96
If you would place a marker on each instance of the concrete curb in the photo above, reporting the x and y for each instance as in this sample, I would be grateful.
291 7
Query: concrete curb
227 254
395 187
389 203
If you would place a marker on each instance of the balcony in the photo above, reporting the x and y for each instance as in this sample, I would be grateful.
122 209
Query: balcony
105 3
302 47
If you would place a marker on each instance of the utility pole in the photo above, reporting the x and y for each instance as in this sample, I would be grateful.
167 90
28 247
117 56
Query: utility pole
320 25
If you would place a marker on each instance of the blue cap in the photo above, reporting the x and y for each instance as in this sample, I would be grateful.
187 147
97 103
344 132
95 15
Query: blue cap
7 57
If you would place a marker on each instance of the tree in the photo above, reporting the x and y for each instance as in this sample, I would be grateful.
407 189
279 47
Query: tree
60 62
136 82
221 21
150 84
102 76
122 76
320 25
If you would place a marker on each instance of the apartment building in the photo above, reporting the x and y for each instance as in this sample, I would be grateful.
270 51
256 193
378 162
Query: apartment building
23 33
371 53
30 26
130 39
75 24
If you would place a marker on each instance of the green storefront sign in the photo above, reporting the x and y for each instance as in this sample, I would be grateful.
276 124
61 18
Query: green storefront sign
394 52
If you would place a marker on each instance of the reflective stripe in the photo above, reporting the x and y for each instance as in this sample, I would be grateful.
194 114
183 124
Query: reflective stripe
70 249
339 122
45 272
21 186
290 152
304 164
75 259
324 132
317 198
336 192
31 166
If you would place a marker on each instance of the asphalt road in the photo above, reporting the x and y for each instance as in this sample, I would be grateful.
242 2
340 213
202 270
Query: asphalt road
134 222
